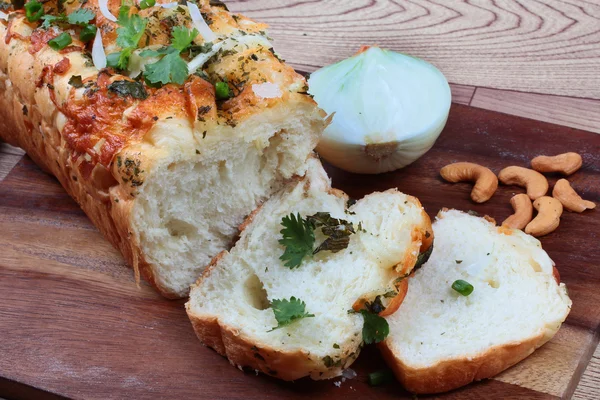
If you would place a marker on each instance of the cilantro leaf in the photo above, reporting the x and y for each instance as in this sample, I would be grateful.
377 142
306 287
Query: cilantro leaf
171 68
132 28
183 37
49 20
375 328
298 239
155 53
81 17
125 88
120 59
288 311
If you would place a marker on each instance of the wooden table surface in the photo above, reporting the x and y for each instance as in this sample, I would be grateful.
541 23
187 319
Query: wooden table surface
538 59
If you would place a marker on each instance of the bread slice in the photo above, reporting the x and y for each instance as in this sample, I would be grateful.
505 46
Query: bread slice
440 340
230 304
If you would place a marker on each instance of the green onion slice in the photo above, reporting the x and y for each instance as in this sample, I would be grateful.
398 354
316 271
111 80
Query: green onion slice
222 91
34 11
61 41
462 287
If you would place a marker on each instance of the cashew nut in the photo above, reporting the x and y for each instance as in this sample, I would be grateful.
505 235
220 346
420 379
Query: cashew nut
564 193
485 180
536 183
549 212
566 163
523 212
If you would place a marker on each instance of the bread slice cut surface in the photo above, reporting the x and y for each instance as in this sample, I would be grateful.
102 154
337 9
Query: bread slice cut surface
231 306
441 339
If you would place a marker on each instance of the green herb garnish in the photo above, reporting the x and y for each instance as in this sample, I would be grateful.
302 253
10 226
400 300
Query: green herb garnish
171 67
462 287
338 232
60 42
34 11
76 81
378 378
375 328
423 258
288 311
88 33
298 240
125 88
130 32
147 4
222 91
81 17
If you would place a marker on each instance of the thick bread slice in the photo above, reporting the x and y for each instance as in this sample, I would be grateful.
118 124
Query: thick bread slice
168 176
230 304
440 340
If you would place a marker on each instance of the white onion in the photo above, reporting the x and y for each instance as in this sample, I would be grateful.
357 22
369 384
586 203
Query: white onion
267 90
200 23
201 59
3 16
98 54
389 110
103 4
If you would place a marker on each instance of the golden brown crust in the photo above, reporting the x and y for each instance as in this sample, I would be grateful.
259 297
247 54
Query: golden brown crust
454 373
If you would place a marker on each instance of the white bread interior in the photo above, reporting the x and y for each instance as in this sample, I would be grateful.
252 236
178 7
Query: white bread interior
230 305
199 190
440 340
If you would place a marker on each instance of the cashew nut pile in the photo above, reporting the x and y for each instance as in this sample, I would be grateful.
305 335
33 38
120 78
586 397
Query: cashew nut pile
549 209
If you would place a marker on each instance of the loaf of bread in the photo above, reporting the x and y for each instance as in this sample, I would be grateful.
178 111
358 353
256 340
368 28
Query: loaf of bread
441 339
166 170
232 306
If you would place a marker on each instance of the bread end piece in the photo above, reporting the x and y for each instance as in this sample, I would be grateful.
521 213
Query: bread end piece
444 355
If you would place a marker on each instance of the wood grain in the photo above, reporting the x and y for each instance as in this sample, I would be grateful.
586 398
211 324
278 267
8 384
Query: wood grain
9 156
73 323
462 94
568 111
542 46
589 386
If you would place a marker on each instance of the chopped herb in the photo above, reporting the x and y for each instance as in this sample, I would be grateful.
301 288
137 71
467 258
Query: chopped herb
222 91
336 346
147 4
338 232
288 311
328 361
76 81
462 287
171 68
375 328
183 37
423 258
88 33
458 261
298 240
378 378
81 17
60 42
34 11
125 88
376 306
390 294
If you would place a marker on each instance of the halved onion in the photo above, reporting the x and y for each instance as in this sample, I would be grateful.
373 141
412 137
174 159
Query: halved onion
98 54
103 4
200 23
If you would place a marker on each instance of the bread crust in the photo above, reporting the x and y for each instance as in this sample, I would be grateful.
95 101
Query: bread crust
34 113
451 374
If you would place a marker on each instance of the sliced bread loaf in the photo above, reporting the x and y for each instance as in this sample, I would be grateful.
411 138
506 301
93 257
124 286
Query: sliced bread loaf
441 339
247 292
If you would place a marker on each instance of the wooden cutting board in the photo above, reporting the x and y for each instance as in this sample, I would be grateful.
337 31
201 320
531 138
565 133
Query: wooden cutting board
73 323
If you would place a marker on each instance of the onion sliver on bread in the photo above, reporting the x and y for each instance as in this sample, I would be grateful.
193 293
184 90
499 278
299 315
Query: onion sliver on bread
440 340
167 174
230 305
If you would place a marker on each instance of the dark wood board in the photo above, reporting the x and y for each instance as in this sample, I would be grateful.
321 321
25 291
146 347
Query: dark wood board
73 323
